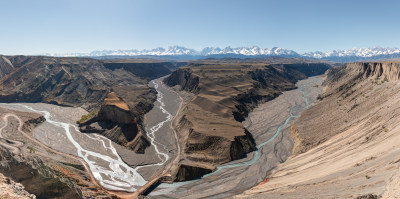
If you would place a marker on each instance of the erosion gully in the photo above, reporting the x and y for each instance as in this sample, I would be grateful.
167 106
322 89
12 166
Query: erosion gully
226 179
115 174
274 146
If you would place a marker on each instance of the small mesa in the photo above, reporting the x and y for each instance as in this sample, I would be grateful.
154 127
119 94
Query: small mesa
113 99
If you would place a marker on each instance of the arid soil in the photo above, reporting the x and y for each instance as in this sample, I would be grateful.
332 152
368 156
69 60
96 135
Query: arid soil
56 138
346 145
209 125
11 189
275 146
164 137
43 171
85 82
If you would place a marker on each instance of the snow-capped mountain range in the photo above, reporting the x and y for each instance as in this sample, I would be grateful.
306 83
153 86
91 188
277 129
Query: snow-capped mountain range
255 51
354 52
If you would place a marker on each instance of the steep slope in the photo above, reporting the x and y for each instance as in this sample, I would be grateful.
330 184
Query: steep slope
11 189
145 69
80 82
346 145
29 165
209 126
5 66
115 121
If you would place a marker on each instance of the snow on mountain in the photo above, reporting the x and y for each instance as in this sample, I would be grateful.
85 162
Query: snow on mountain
354 52
249 51
173 50
179 51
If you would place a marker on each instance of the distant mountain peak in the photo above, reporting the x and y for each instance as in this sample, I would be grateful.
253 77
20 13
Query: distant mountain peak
353 54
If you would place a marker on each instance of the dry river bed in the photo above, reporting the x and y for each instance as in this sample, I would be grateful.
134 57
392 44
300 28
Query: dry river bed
113 166
269 125
117 168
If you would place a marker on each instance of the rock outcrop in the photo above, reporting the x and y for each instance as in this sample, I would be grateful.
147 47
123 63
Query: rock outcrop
85 82
5 66
345 88
116 121
36 178
190 172
349 135
115 110
209 126
30 124
352 72
11 189
185 79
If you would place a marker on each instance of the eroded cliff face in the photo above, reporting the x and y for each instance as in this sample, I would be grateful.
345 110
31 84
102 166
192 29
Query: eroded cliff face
351 73
5 66
209 126
351 133
11 189
36 177
115 110
85 82
184 78
190 172
29 172
349 92
116 121
203 146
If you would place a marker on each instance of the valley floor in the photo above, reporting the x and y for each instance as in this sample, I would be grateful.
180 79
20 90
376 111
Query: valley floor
361 159
269 125
112 165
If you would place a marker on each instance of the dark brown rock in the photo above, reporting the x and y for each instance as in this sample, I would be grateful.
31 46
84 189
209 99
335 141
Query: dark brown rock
85 82
209 126
189 172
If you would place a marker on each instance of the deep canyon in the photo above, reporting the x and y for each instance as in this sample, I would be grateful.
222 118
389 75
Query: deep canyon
213 128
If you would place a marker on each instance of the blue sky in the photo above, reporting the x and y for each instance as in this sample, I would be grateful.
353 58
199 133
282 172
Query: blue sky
61 26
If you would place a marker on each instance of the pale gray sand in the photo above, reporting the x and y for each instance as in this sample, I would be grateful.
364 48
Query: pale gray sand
263 123
57 138
164 136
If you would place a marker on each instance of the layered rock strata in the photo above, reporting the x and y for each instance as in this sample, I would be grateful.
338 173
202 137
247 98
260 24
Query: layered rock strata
85 82
209 126
116 121
346 144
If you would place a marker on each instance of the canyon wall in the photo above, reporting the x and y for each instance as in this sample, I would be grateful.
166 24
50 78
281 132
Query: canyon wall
85 82
209 125
346 144
345 89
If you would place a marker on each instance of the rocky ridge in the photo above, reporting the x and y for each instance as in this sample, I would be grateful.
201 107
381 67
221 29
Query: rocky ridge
346 85
116 121
85 82
209 125
349 134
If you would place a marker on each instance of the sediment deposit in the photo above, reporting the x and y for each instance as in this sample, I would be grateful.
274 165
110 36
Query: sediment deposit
209 126
269 123
346 144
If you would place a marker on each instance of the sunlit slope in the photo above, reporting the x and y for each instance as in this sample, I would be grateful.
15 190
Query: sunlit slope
347 145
